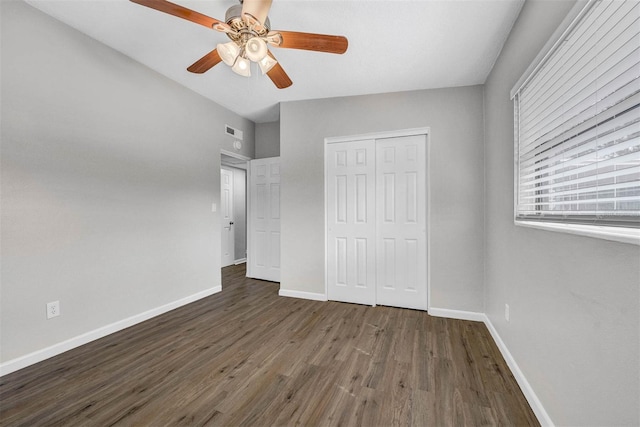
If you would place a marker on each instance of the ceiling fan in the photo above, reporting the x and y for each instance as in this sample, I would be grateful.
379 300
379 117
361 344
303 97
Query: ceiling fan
249 29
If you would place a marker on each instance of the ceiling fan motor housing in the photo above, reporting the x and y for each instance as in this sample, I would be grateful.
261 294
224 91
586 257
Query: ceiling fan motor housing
233 17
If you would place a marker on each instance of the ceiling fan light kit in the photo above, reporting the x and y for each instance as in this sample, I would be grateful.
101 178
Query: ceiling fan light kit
228 52
256 49
248 27
266 64
242 66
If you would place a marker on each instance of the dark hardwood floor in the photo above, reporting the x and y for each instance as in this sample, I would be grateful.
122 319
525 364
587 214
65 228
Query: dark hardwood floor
248 357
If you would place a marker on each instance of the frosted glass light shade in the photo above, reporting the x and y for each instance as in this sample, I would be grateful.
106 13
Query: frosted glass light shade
266 64
242 67
228 52
256 49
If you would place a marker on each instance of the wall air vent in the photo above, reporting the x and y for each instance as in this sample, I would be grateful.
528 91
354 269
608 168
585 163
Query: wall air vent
236 133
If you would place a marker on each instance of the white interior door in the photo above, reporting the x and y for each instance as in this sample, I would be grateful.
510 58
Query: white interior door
351 221
226 217
401 234
377 221
263 259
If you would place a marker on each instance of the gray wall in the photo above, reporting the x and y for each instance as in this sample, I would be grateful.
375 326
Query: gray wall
455 174
267 140
109 171
574 328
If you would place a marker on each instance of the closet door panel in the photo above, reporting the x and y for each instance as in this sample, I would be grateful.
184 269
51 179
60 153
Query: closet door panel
401 227
263 257
351 221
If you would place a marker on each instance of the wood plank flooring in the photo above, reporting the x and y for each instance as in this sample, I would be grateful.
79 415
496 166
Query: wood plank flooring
248 357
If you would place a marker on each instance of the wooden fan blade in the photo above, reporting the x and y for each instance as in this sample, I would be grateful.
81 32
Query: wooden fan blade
179 11
206 62
259 9
316 42
278 76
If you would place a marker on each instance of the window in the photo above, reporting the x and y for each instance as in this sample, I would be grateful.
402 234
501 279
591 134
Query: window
577 123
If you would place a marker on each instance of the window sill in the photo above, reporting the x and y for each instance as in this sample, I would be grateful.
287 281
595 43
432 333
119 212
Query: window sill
616 234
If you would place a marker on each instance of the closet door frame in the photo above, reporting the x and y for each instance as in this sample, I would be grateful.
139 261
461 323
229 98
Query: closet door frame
426 131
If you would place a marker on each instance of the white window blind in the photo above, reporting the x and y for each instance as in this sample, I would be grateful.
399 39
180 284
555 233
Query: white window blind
577 123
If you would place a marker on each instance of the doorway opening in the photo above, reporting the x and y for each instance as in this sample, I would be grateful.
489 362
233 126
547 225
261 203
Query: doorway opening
233 208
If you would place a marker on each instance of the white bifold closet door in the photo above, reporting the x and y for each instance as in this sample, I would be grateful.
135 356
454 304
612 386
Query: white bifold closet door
376 221
351 248
263 257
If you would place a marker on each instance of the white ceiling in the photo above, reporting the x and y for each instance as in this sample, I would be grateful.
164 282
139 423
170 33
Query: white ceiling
394 45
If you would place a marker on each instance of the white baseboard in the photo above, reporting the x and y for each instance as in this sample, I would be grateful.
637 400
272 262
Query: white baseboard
456 314
240 261
527 390
303 295
40 355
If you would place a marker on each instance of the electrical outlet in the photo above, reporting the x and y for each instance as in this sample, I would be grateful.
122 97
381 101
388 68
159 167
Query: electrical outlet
506 312
53 309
